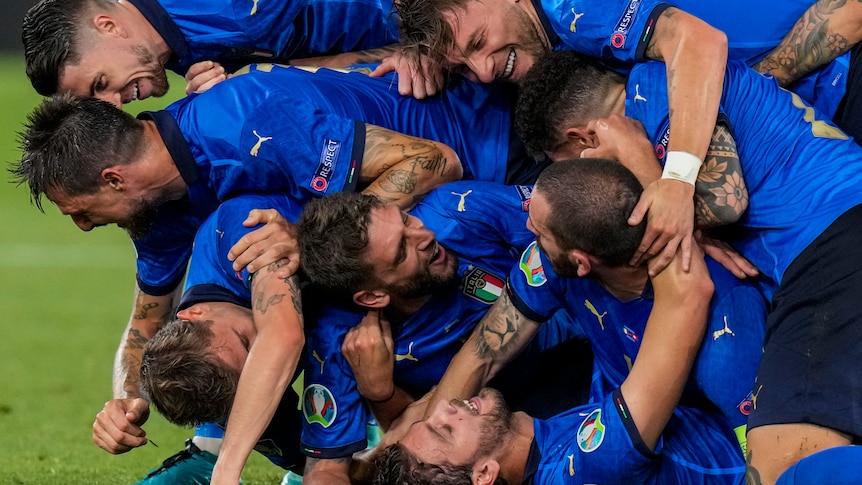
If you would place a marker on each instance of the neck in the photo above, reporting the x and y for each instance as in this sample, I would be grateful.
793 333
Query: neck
157 166
150 35
400 309
528 7
617 97
513 456
624 282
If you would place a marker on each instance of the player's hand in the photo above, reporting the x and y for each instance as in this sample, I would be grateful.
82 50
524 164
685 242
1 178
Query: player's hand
369 349
613 137
418 75
725 255
276 240
204 75
117 428
669 207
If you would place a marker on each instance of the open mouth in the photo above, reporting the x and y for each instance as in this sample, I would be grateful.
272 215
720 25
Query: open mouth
437 254
510 65
472 406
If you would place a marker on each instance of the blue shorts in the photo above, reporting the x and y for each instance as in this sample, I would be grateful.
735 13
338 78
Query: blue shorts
813 346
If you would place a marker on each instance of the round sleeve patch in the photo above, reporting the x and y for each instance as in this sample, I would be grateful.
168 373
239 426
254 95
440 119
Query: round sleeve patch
591 432
531 266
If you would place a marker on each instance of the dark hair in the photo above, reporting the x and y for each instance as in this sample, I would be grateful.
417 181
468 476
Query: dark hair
184 378
68 140
333 236
590 200
51 36
396 466
563 89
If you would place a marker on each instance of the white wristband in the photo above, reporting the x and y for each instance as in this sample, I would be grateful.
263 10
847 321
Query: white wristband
682 166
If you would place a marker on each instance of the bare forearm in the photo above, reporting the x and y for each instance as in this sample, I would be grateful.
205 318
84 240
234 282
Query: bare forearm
346 59
387 411
825 31
149 314
695 55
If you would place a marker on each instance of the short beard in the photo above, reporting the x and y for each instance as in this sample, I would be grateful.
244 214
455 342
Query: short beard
141 221
427 283
159 77
495 427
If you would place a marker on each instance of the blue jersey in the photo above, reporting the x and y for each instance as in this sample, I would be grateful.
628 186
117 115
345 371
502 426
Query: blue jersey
483 224
236 33
302 132
726 364
617 32
599 443
801 171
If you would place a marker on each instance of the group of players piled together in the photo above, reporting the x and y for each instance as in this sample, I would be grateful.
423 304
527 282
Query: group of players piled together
418 213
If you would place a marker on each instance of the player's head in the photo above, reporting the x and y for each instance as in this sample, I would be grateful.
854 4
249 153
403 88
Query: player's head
579 213
74 151
488 40
459 441
558 98
354 246
90 47
191 367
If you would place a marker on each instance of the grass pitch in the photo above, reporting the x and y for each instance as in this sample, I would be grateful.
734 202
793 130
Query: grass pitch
65 298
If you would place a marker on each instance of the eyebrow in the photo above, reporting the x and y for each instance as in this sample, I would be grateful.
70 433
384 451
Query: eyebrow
434 431
402 245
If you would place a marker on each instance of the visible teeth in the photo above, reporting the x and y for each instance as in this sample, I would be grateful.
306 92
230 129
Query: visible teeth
135 92
510 64
472 406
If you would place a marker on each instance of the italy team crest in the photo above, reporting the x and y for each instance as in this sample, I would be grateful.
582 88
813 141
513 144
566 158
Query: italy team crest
531 266
483 285
318 405
591 433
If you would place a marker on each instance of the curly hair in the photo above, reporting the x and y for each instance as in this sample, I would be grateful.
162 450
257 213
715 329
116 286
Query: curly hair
333 237
396 466
563 89
51 33
590 200
184 378
68 140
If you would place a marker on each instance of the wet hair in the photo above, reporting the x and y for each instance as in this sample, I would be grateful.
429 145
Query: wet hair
397 466
424 27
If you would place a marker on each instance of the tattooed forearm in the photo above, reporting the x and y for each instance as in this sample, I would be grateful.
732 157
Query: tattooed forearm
752 476
399 181
810 44
142 311
373 56
135 339
262 303
502 333
721 195
295 295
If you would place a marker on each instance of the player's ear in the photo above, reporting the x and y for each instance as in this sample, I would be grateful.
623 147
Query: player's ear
581 137
371 298
108 25
193 312
580 260
113 177
485 471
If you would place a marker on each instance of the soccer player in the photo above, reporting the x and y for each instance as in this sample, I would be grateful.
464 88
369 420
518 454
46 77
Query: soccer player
801 175
161 175
432 273
634 434
118 50
579 217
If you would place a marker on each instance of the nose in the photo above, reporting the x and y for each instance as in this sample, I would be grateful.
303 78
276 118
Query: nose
83 224
422 236
443 410
482 68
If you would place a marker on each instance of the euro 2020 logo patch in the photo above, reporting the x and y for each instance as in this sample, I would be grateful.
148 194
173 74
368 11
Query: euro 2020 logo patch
531 266
591 433
318 405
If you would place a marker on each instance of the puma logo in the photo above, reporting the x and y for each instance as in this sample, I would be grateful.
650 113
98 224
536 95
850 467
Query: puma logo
638 96
254 8
571 458
260 140
573 27
725 330
754 397
317 358
407 356
461 207
595 312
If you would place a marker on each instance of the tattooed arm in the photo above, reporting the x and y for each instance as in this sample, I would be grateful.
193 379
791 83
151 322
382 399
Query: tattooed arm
402 169
498 338
117 428
268 369
721 195
826 30
346 59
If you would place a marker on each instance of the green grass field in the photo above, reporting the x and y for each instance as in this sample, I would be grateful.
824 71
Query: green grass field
65 298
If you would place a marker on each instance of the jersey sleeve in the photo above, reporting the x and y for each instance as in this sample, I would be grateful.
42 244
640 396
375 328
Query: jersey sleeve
333 411
532 285
615 32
